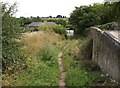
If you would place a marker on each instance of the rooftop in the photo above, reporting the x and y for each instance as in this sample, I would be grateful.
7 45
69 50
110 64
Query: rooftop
36 24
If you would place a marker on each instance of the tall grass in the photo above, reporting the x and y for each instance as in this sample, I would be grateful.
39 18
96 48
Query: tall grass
35 41
40 50
82 72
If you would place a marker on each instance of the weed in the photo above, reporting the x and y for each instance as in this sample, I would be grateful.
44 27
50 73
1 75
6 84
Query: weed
83 72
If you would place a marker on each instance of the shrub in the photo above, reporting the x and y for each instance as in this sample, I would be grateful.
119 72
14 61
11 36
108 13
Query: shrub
45 27
53 28
13 59
60 29
47 55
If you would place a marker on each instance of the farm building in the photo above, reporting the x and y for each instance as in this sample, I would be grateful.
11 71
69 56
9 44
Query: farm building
33 26
36 24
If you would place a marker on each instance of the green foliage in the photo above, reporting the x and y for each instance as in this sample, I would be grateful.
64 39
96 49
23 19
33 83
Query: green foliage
116 11
46 54
60 29
86 16
89 65
25 21
61 21
44 73
40 75
45 27
85 49
82 73
77 73
11 52
109 26
53 28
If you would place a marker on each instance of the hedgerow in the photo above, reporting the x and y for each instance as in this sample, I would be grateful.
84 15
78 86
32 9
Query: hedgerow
12 57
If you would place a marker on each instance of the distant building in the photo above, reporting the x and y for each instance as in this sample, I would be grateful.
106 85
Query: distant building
70 30
37 24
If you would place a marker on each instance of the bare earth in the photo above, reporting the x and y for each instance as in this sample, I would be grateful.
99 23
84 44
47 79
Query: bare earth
62 83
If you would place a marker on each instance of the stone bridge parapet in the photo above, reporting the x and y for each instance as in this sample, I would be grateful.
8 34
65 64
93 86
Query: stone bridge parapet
106 51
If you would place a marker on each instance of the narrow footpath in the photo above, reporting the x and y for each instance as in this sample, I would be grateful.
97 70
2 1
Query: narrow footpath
62 83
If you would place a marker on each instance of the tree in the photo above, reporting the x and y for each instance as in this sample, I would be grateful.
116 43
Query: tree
86 16
83 17
59 16
116 11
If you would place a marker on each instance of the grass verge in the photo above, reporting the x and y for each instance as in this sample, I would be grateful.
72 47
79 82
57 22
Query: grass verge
82 73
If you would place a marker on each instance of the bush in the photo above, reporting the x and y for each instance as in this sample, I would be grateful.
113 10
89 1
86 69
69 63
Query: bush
53 28
60 29
13 59
47 55
45 27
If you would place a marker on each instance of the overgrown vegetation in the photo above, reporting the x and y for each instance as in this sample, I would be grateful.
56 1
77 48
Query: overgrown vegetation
30 59
40 51
13 59
25 21
86 16
53 28
109 26
82 72
59 21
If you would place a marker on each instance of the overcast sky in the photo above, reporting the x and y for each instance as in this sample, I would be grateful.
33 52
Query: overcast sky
45 8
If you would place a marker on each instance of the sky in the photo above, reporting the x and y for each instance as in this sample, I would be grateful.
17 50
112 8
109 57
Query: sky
44 8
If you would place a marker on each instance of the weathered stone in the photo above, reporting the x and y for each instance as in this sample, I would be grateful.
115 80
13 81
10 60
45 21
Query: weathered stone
106 52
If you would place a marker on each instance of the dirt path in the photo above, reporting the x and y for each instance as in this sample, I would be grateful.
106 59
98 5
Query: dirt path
62 83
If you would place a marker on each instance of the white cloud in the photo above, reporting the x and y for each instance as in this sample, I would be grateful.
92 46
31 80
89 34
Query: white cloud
48 7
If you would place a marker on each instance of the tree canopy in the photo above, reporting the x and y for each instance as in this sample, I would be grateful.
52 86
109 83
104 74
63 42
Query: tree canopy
86 16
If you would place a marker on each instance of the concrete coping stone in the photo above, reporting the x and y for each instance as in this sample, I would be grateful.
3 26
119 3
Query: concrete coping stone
111 37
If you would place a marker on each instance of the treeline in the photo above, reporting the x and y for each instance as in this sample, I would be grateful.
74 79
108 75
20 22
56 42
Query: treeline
97 14
58 20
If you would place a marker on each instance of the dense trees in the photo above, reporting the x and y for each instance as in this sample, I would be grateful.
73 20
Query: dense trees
116 10
86 16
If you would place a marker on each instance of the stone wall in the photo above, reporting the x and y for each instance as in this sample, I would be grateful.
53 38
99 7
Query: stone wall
106 53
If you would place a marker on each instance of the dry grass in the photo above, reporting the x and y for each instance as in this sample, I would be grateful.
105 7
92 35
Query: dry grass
35 41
